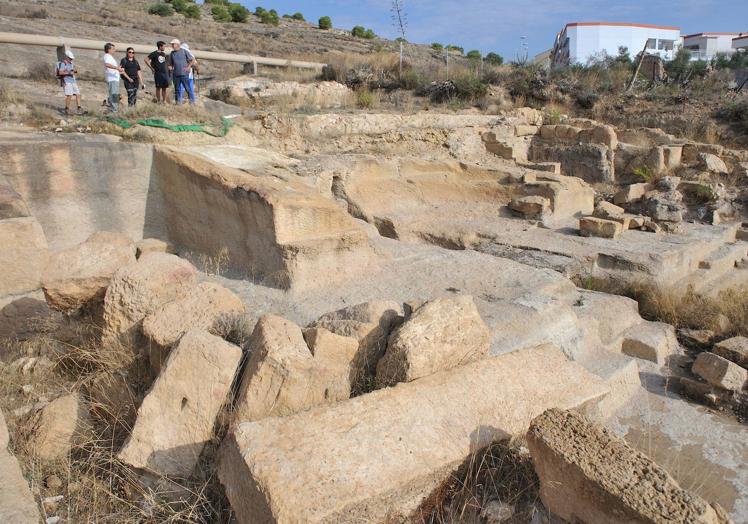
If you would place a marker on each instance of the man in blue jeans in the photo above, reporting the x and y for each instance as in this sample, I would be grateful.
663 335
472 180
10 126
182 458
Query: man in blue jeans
180 64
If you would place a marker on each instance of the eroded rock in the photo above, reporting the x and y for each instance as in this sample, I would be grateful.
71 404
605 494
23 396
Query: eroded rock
531 206
720 372
734 349
654 341
599 227
58 427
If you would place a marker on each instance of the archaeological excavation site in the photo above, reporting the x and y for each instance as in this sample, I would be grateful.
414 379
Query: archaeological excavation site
332 312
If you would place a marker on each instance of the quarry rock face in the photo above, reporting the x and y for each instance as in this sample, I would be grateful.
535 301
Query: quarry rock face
282 376
318 466
141 288
152 245
587 474
12 204
441 334
177 415
337 353
202 307
80 275
23 256
58 427
632 193
720 372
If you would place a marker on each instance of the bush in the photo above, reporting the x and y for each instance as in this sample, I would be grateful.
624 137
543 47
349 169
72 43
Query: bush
456 49
270 18
161 10
192 11
437 46
238 13
325 22
358 31
469 87
298 16
365 99
474 54
217 2
370 34
494 59
179 5
259 11
220 14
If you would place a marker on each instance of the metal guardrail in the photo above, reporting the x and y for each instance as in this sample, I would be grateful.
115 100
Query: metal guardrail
98 45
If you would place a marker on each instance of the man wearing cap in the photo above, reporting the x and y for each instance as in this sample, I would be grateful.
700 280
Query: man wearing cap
157 62
180 64
195 69
66 72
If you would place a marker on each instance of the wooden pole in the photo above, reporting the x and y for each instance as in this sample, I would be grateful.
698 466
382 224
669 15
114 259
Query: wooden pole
638 67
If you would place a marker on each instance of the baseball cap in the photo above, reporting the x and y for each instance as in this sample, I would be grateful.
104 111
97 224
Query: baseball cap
175 41
69 54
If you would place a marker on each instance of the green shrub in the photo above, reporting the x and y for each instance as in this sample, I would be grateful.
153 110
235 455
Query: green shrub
298 16
220 14
474 54
217 2
238 13
456 49
370 34
358 31
270 18
365 99
437 46
325 22
161 10
179 5
192 11
259 11
494 59
469 87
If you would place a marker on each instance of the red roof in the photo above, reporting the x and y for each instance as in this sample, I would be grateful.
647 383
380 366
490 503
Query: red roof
625 24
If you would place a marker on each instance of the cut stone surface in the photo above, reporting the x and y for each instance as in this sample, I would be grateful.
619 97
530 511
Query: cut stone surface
531 206
58 427
12 204
141 288
318 466
79 276
587 474
605 209
17 504
734 349
441 334
654 341
201 308
282 376
599 227
152 245
720 372
177 415
713 163
23 255
333 350
632 193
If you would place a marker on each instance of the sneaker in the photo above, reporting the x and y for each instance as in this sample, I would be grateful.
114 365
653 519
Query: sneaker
82 111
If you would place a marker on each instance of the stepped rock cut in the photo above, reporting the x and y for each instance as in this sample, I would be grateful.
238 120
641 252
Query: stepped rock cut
441 334
23 255
282 376
587 474
80 275
381 454
141 288
177 415
599 227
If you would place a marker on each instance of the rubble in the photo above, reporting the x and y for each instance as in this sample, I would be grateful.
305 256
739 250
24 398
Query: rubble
17 504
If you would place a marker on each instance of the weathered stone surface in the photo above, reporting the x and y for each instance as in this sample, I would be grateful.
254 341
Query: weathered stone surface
152 245
600 134
318 466
177 415
588 474
23 255
79 276
734 349
664 207
17 505
696 338
282 376
141 288
720 372
330 348
201 308
654 341
590 162
713 163
531 206
607 210
632 193
12 204
526 130
58 427
441 334
599 227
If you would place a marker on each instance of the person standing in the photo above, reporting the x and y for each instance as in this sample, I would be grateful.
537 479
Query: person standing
180 63
112 72
157 62
66 72
194 70
132 76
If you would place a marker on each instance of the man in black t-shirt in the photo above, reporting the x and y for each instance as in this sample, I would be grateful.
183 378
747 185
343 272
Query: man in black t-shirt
157 61
132 76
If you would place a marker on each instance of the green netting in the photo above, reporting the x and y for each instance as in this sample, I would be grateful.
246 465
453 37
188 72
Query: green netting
157 122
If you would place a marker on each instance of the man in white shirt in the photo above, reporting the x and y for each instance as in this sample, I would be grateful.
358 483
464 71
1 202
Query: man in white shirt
112 72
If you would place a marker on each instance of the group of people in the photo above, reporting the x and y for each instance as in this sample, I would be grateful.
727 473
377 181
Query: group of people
178 67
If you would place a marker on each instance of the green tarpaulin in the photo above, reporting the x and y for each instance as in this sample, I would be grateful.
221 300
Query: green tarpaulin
157 122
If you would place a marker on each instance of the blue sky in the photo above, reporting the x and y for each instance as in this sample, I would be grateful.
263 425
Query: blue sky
497 25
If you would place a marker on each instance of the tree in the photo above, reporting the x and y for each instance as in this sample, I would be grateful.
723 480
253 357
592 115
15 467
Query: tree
270 18
161 10
494 59
192 11
220 14
238 13
437 46
358 31
370 34
298 16
623 58
325 22
259 11
474 54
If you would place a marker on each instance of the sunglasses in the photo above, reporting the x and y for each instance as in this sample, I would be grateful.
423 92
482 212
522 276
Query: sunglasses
131 52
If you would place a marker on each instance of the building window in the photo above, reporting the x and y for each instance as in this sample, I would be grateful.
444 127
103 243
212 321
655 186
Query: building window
665 45
651 43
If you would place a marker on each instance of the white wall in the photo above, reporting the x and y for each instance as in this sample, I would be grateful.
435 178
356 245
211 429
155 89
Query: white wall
588 41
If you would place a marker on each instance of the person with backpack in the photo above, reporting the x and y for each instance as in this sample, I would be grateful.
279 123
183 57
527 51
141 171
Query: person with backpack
66 72
157 62
194 70
132 76
112 72
180 64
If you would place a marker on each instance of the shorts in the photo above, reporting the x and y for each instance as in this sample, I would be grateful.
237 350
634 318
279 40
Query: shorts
161 79
71 89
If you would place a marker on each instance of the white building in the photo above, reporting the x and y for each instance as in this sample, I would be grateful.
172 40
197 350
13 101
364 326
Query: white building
580 41
740 42
705 46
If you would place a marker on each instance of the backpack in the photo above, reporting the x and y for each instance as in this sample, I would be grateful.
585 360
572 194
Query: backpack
57 73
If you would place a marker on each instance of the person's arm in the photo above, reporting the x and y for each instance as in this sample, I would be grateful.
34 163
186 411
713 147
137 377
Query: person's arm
122 70
196 65
148 63
140 77
171 62
190 62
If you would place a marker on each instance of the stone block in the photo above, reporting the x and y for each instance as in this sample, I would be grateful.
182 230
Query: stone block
23 255
632 193
58 427
441 334
734 349
17 504
318 466
531 206
598 227
588 474
712 163
600 134
526 130
653 341
152 245
177 415
720 372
